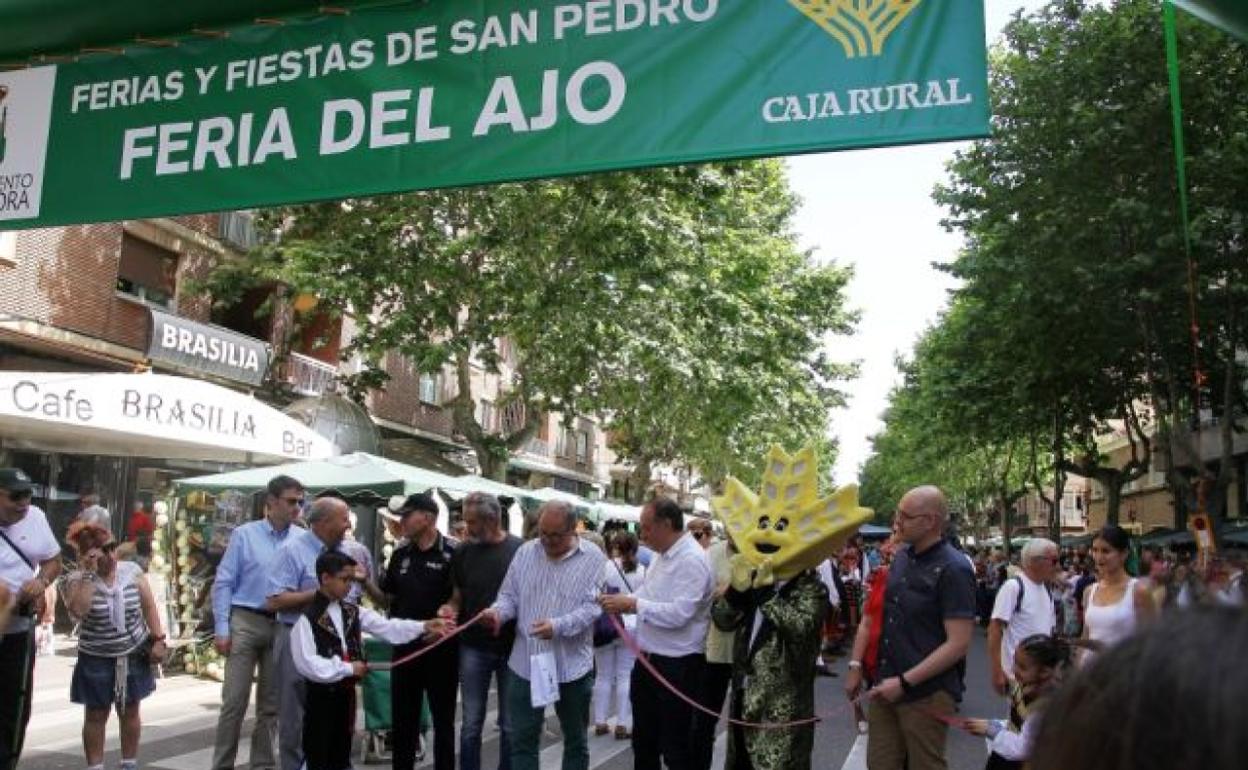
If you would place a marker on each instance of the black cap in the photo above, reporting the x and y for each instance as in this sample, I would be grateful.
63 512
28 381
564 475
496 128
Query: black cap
420 501
15 480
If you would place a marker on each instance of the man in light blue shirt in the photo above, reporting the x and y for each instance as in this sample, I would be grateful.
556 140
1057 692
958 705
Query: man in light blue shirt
550 590
292 586
245 630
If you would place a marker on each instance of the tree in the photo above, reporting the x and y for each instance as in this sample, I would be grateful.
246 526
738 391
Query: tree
610 294
1073 258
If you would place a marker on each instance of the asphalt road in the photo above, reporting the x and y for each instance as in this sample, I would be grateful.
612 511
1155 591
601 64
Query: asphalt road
180 719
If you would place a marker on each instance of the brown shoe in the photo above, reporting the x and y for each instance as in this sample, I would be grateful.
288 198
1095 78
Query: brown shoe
601 729
622 734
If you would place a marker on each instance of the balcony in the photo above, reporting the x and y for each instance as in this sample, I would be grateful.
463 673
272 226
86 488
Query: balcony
538 447
238 229
305 375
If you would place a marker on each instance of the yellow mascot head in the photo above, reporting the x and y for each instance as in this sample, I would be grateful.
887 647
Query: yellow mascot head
787 528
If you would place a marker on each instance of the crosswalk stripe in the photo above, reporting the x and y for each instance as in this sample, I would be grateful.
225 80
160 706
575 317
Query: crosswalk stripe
857 759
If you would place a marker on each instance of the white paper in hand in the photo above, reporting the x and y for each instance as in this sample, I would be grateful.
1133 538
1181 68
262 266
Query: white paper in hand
543 682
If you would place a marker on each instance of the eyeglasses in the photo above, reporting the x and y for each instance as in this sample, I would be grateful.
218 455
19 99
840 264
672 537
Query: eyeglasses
701 533
295 501
18 496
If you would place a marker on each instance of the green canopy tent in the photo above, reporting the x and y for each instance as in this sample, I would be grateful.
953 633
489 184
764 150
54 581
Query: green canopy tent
354 476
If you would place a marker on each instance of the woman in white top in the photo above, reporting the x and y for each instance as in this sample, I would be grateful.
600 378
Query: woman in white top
1117 604
614 660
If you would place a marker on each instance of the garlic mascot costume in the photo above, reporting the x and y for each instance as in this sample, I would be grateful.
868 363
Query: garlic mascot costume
777 603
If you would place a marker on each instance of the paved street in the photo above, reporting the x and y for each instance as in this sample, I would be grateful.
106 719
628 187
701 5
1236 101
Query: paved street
179 720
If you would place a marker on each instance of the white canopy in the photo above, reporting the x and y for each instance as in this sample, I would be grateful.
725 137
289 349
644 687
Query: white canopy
148 415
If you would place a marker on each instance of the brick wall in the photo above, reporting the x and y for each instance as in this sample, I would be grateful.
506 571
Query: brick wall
66 277
400 401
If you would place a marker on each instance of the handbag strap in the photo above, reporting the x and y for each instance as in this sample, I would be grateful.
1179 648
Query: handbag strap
19 551
627 584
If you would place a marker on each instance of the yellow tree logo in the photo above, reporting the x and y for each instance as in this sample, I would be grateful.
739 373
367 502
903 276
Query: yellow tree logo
860 26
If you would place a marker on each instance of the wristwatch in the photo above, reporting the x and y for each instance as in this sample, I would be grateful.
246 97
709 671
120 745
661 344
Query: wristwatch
906 687
855 664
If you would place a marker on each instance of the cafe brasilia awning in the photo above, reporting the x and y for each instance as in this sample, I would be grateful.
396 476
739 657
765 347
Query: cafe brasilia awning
148 415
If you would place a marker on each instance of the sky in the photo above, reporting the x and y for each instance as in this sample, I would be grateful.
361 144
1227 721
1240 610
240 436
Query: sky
873 210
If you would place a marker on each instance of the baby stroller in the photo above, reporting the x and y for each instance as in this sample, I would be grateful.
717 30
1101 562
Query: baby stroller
375 748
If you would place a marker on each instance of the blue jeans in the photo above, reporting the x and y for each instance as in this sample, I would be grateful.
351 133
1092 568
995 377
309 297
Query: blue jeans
475 668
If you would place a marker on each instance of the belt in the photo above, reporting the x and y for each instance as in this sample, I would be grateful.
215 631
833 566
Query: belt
254 611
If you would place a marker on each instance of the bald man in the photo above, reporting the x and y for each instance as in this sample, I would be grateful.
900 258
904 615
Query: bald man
929 615
292 587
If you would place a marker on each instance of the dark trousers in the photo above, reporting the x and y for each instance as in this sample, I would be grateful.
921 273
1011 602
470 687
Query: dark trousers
661 721
17 669
713 688
998 762
329 725
435 675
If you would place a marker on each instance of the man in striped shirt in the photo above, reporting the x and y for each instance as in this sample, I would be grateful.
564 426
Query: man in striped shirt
550 590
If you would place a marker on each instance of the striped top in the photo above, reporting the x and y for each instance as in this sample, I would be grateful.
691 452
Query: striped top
98 634
564 591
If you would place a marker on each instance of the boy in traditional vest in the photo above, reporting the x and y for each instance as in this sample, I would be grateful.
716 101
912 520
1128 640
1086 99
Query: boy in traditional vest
328 653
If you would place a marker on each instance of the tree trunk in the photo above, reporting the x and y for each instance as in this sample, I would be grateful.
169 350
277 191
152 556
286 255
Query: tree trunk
1113 499
639 480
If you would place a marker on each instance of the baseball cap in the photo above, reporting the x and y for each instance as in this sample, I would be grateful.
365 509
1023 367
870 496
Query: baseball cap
420 501
15 480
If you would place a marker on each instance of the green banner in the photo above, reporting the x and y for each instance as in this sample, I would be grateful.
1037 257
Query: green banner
450 93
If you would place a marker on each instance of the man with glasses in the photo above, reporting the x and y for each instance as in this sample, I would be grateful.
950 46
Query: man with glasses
1024 607
29 562
929 614
550 591
673 614
246 630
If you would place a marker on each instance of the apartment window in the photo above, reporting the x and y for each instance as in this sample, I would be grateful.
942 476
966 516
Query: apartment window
582 447
486 414
430 389
147 272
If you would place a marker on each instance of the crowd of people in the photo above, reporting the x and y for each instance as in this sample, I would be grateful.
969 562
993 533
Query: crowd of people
611 628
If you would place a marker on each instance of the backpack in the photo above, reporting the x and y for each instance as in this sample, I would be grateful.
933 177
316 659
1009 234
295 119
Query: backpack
1059 611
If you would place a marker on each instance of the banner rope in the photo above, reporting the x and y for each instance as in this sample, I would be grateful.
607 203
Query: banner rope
459 629
644 660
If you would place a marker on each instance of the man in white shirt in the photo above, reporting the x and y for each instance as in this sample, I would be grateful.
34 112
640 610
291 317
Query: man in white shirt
673 612
1024 607
29 562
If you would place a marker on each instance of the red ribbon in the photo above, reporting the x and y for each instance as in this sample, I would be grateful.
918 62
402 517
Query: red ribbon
446 638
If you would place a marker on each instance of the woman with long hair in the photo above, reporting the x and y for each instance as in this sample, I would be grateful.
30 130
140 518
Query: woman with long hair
119 639
614 660
1116 604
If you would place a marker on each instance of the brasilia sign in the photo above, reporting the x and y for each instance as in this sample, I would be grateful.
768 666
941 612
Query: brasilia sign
450 93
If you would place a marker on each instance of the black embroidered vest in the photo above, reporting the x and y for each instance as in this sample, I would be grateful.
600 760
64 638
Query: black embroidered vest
328 645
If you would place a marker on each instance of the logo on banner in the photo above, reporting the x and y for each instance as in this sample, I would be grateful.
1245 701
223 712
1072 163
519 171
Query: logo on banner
25 114
860 26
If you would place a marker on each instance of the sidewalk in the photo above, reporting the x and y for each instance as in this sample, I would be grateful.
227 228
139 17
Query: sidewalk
179 719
